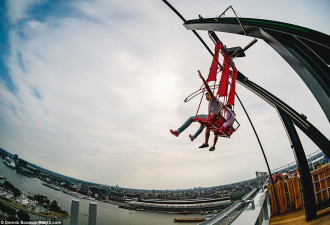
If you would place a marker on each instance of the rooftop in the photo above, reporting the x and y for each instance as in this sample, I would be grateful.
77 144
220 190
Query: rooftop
298 218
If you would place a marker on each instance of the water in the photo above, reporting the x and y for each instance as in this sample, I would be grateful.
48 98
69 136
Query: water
107 214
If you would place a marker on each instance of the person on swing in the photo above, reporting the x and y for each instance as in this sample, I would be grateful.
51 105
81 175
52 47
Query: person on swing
229 119
214 106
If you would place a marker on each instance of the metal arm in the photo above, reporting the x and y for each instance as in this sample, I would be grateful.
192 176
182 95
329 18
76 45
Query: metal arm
206 85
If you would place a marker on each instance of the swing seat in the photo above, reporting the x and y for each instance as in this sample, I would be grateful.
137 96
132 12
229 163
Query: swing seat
216 125
227 132
211 122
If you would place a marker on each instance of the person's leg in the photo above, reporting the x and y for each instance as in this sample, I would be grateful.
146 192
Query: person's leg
202 116
206 141
200 129
214 142
207 136
189 121
186 124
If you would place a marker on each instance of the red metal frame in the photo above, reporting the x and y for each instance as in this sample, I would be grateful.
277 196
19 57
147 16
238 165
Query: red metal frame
216 124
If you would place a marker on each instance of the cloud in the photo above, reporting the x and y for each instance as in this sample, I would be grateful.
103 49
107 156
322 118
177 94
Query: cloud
100 85
18 10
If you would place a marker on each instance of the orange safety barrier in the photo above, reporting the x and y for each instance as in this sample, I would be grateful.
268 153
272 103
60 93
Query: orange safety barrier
282 196
289 195
272 200
289 186
297 193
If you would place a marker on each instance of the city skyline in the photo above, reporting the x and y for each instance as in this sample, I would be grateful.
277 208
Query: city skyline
54 174
91 89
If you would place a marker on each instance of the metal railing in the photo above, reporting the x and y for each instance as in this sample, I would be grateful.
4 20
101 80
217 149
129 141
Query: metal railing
293 165
321 185
225 217
231 212
257 197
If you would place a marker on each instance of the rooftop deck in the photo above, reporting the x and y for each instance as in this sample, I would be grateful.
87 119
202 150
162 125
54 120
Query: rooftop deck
298 218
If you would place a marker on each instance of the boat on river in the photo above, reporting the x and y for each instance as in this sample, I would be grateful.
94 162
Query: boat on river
189 219
9 162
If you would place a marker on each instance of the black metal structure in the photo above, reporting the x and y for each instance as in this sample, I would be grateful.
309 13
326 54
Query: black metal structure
298 119
290 118
306 51
305 179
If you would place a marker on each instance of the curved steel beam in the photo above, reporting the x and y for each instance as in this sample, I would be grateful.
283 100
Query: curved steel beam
298 119
305 50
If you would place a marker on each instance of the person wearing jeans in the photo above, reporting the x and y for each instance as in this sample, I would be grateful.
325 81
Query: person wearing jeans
214 106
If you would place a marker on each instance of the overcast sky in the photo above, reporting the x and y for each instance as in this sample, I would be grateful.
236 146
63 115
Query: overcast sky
90 89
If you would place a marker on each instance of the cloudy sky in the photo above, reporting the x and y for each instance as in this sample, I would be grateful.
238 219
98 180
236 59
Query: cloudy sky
90 89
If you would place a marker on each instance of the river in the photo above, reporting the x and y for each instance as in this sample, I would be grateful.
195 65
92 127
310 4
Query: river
107 214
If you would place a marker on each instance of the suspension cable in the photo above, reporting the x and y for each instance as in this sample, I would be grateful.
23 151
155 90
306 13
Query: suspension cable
255 132
184 20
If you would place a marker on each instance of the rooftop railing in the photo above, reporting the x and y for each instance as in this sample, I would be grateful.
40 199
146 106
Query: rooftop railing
249 208
253 208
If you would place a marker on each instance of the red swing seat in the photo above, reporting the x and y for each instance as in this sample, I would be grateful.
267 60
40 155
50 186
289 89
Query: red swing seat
211 123
227 132
216 125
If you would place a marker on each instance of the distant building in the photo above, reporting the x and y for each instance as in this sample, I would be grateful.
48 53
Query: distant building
25 171
116 196
32 168
15 158
83 188
75 187
95 191
21 163
182 205
103 193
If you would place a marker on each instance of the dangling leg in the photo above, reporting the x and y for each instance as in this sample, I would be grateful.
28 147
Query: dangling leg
214 142
186 124
207 136
200 129
183 127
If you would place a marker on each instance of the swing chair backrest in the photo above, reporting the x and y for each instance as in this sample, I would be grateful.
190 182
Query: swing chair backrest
229 131
231 128
215 123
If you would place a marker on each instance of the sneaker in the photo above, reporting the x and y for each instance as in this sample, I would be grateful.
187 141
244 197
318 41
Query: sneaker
212 149
174 132
191 137
204 145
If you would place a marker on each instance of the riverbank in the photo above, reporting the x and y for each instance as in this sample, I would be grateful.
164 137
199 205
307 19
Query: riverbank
53 215
105 212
